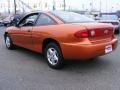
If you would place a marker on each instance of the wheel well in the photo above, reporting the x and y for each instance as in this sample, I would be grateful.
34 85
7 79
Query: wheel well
5 34
48 40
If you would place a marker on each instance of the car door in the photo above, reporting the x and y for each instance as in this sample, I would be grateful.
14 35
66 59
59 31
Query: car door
24 34
43 23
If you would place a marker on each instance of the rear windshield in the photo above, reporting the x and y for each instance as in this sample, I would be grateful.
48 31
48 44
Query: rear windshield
71 17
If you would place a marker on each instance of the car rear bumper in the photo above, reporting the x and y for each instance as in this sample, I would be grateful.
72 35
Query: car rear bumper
78 51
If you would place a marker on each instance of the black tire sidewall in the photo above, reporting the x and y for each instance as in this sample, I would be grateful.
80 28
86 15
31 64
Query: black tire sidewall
11 43
60 63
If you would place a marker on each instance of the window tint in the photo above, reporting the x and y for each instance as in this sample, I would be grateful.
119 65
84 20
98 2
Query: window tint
45 20
27 19
71 17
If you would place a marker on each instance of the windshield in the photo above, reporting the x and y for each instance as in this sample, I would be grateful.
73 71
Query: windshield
71 17
109 17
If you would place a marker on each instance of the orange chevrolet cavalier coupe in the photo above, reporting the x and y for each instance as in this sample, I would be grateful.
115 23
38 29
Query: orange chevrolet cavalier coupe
61 35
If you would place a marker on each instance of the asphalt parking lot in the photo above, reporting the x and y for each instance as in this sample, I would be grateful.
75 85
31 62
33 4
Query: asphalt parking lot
22 69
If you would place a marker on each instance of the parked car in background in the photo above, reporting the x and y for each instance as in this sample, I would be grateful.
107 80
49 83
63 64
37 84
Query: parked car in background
62 35
7 20
16 19
12 19
113 19
1 22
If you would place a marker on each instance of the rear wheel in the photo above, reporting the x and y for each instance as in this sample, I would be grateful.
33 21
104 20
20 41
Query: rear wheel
117 31
54 56
8 42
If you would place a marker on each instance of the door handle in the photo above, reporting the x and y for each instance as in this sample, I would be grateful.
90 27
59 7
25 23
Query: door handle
28 30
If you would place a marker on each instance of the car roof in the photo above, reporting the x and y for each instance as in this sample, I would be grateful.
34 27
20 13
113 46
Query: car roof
39 11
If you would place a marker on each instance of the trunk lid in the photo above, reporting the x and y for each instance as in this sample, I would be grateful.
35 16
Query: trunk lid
113 22
99 31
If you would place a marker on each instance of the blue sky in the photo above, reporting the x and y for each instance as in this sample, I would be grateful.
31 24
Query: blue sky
106 5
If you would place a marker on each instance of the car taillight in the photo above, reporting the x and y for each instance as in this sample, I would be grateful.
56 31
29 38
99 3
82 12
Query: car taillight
81 34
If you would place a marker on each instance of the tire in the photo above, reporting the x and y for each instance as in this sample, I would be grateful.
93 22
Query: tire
54 56
8 42
117 31
5 24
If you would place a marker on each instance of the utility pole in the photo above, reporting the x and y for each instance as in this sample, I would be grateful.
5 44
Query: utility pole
106 6
100 8
8 6
64 4
54 6
15 6
91 5
83 7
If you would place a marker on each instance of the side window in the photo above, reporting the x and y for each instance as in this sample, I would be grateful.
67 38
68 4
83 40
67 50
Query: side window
28 19
45 20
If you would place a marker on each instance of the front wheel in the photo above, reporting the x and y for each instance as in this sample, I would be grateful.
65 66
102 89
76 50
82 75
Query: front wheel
9 43
54 56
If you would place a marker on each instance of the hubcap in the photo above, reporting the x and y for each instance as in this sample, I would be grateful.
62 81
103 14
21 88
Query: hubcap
52 56
7 42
